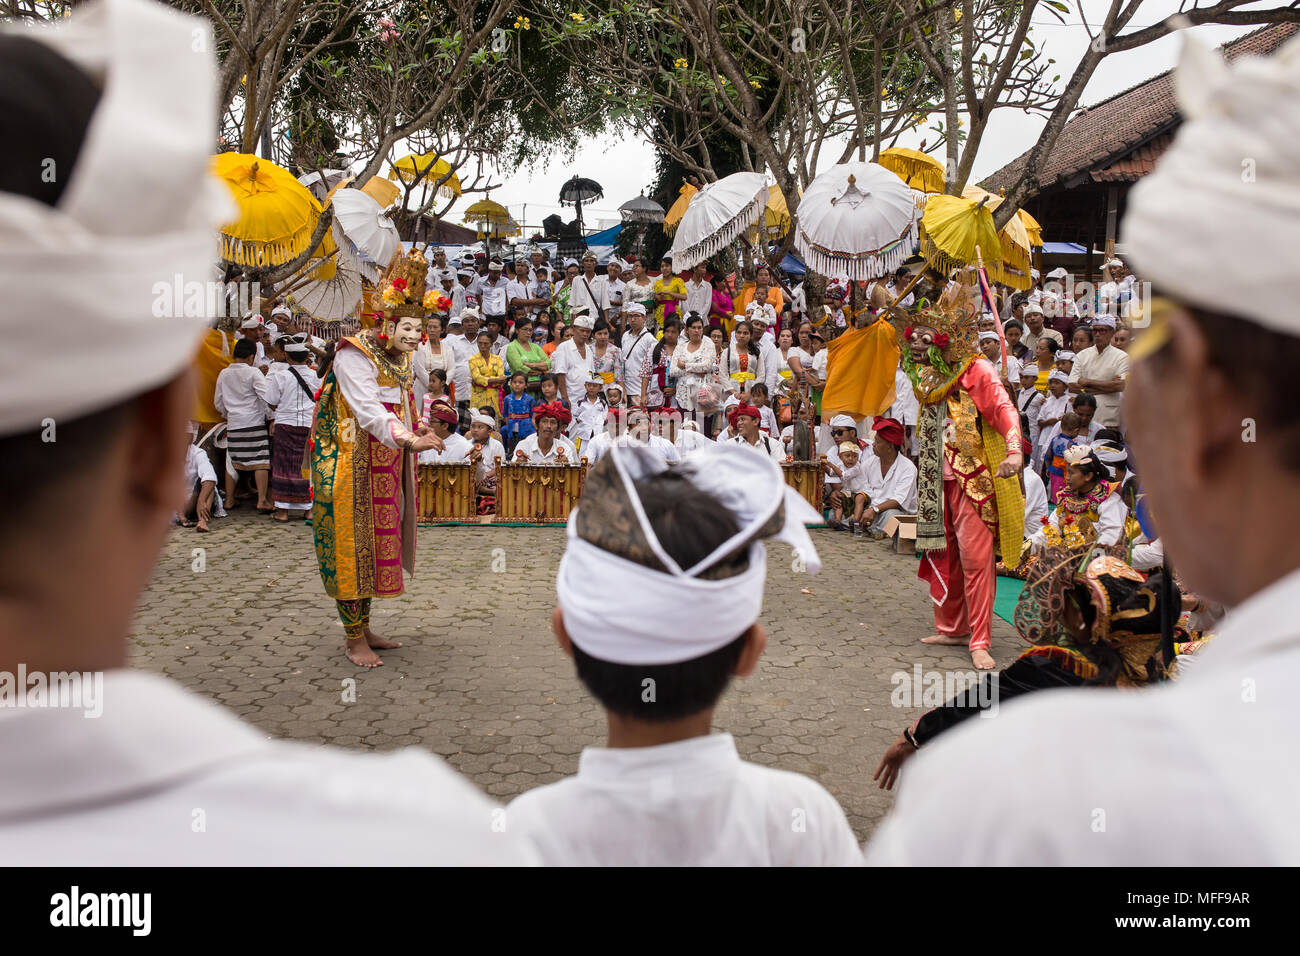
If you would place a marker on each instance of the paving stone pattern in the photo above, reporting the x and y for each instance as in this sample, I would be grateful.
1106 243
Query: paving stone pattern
481 680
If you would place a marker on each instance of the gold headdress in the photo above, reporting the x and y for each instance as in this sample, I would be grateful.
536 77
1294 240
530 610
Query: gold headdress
400 292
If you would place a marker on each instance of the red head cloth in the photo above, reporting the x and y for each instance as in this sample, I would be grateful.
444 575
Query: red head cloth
443 413
554 410
891 430
743 409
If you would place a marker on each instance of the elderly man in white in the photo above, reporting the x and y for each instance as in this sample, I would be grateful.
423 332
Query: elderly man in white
1220 743
129 787
1100 371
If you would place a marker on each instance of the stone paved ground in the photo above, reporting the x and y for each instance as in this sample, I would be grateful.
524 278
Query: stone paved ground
481 680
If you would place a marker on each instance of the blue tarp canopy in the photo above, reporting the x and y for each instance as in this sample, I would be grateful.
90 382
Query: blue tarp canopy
792 266
1064 249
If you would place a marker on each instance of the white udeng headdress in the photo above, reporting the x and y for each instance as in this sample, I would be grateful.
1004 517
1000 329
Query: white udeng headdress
1227 191
633 626
141 208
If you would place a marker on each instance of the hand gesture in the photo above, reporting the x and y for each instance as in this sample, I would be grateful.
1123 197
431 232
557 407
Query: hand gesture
1011 465
892 762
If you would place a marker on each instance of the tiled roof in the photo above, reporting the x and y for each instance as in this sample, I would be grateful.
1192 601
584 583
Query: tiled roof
1099 138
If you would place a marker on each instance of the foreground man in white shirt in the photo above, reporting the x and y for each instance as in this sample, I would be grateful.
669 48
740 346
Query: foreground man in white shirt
1220 743
128 787
666 791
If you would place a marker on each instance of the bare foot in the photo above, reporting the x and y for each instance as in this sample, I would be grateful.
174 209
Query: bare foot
280 516
202 525
380 643
982 660
946 640
360 654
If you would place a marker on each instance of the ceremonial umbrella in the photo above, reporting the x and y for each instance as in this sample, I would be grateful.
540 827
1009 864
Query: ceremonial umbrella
856 219
952 227
641 209
380 190
485 211
719 213
364 222
335 297
776 214
277 214
410 168
678 209
1013 268
919 170
579 190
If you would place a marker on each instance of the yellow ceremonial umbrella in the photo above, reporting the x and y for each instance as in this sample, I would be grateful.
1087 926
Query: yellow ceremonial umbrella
919 170
1016 243
776 216
277 214
678 208
951 228
487 211
409 168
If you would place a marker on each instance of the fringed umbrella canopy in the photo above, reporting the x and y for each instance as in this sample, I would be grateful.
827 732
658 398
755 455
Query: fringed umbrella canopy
330 298
1013 269
322 181
409 168
919 170
364 222
951 229
277 214
856 219
380 190
641 209
719 213
485 210
580 190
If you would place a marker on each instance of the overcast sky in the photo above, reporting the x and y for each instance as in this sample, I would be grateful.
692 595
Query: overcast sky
625 167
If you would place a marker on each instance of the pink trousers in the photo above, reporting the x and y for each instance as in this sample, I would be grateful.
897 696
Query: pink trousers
963 583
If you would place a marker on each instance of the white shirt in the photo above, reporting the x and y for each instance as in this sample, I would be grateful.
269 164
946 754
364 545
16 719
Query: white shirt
132 787
582 295
241 395
636 346
359 383
492 450
461 349
433 279
699 297
1239 768
426 358
693 802
688 440
898 484
198 466
1109 365
601 444
492 294
588 419
766 445
609 292
535 457
455 448
1035 502
575 367
905 408
293 406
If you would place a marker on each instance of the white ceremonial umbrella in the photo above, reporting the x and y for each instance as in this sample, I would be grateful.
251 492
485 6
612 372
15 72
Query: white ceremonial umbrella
718 214
363 221
856 219
335 297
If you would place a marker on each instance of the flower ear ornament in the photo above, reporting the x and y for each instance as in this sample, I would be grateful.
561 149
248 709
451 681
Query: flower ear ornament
1077 453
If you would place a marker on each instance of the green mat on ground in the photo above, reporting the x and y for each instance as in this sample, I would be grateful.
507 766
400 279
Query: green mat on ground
1004 605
